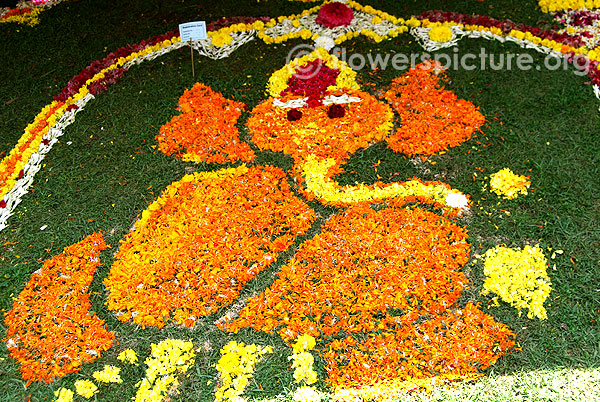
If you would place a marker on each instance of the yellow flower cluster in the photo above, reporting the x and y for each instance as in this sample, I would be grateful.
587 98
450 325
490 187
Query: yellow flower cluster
108 374
440 34
63 395
519 277
315 172
168 359
278 81
509 185
222 37
557 5
303 360
128 356
235 367
85 388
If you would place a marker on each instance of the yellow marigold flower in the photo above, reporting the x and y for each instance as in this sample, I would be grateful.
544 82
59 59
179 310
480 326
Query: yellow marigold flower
108 374
85 388
304 343
63 395
509 185
128 355
519 277
440 34
221 39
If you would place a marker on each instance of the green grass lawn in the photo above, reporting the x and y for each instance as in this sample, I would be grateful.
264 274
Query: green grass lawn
105 171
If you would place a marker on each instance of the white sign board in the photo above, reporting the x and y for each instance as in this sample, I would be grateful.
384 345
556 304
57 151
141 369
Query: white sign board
195 30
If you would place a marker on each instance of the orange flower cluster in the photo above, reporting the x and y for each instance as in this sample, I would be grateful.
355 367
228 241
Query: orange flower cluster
51 330
394 274
454 344
315 133
205 130
433 118
201 242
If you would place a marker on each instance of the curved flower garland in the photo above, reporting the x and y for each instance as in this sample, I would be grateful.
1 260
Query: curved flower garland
393 274
433 118
19 167
367 21
547 42
50 329
205 131
317 174
26 12
519 277
197 245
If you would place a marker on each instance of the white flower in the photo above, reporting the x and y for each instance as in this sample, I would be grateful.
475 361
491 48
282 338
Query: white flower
306 394
457 200
325 42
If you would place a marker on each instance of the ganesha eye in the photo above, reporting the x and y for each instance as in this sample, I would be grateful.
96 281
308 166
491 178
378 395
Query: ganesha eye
294 114
334 111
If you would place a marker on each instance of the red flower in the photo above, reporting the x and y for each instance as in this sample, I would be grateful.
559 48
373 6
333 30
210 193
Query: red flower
294 114
335 111
312 80
21 174
2 204
335 14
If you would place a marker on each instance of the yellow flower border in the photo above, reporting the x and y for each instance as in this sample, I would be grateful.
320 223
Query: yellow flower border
558 5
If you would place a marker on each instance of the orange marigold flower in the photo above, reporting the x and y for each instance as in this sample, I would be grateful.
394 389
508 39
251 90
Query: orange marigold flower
205 131
50 329
196 247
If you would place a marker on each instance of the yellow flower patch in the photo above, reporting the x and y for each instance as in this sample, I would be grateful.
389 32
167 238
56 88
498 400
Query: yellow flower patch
519 277
236 367
85 388
169 359
509 185
108 374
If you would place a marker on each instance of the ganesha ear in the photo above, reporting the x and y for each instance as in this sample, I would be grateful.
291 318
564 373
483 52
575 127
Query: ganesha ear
205 131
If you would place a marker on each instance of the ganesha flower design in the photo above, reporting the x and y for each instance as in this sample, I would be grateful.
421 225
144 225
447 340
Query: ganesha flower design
378 286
